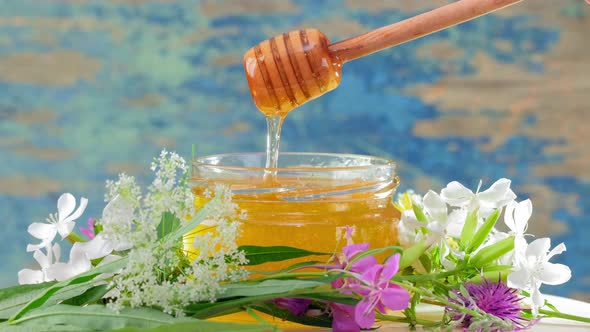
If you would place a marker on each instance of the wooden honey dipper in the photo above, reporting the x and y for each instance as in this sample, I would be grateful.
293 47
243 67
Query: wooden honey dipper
291 69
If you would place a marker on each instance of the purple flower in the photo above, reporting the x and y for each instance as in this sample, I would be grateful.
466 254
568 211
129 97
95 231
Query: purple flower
296 306
343 318
379 292
496 299
89 232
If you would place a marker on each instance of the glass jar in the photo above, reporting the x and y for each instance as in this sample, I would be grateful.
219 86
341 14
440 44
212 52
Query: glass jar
307 201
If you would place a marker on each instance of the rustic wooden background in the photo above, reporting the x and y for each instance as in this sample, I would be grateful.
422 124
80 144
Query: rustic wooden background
91 88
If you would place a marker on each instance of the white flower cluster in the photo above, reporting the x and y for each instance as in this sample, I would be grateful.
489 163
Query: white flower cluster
438 220
168 193
159 273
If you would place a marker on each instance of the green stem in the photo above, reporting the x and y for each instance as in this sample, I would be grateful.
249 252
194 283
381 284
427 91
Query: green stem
74 237
291 275
555 314
403 319
441 300
424 277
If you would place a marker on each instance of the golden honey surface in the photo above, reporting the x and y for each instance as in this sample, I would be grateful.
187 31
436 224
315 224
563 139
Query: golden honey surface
275 219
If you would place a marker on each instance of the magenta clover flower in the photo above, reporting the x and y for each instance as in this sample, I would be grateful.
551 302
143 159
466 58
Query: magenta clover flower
379 292
89 232
496 299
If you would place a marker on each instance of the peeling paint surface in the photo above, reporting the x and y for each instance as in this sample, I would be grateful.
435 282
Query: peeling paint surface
91 88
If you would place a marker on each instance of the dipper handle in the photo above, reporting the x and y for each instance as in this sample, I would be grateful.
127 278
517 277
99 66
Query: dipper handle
415 27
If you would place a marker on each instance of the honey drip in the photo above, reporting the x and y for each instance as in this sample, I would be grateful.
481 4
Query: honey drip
273 140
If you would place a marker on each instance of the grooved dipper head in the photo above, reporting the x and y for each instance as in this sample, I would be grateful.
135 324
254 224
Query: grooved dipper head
290 69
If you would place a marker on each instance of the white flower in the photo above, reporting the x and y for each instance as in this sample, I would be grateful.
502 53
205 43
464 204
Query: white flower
78 263
439 218
408 229
117 218
516 217
442 224
533 269
62 222
498 195
28 276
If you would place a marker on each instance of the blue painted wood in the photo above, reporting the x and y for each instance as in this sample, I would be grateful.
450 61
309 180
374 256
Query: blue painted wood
92 88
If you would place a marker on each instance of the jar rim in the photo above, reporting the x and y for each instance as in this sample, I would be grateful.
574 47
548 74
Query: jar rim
375 162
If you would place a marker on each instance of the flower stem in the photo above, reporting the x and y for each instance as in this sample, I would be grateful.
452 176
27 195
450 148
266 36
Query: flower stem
440 299
74 237
291 275
424 277
404 319
555 314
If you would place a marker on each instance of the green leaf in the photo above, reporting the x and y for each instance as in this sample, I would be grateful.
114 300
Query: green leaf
258 255
375 252
272 286
268 308
83 278
492 252
482 233
290 268
97 317
410 255
215 309
331 296
71 291
12 299
419 213
426 262
5 327
168 224
91 295
194 222
492 276
200 326
468 229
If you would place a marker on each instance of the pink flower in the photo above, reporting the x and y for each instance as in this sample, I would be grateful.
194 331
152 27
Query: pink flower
359 266
296 306
343 318
379 293
89 232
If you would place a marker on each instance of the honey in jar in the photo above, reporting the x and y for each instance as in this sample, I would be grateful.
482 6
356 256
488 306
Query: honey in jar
307 201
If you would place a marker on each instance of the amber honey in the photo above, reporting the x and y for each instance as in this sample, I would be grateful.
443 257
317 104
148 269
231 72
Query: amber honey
308 201
289 70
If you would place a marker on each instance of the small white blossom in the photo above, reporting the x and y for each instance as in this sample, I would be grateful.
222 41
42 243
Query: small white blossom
498 195
408 229
78 264
124 186
532 269
46 261
440 221
516 217
62 222
442 224
117 225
